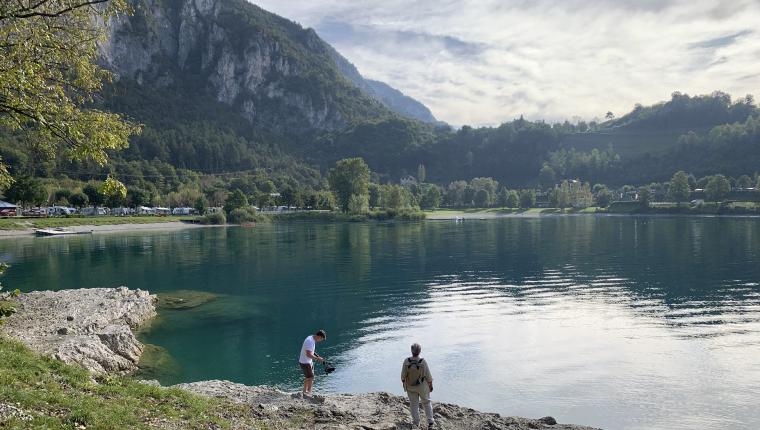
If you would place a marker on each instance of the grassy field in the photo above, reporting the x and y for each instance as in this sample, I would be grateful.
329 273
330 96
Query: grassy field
52 395
25 223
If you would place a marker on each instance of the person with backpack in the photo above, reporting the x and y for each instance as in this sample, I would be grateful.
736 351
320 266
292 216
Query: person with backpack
418 384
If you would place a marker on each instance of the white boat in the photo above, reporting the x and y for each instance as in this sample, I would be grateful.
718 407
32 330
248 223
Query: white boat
57 232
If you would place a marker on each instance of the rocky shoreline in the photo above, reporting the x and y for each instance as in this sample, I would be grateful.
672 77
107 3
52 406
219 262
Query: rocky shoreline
93 328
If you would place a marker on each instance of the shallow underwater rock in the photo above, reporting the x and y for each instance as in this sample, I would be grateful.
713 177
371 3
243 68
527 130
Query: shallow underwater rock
184 299
156 362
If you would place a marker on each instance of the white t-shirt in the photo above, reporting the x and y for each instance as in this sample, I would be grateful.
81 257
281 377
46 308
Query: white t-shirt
308 345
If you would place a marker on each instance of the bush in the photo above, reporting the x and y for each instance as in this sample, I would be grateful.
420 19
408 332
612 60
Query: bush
242 215
217 218
397 214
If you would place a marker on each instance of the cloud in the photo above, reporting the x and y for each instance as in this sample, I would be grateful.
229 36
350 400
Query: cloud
720 42
487 61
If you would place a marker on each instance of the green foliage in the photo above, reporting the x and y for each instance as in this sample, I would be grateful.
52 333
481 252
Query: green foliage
242 215
27 191
7 308
349 177
115 192
61 197
602 195
684 111
513 199
201 204
527 199
645 196
94 194
79 200
236 200
679 190
216 218
358 204
547 177
717 188
48 74
571 194
60 396
431 196
421 173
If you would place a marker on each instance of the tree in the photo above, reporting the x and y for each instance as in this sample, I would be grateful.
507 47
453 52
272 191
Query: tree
27 191
375 195
602 195
527 199
48 75
61 197
236 200
645 196
137 197
394 196
609 115
94 196
547 176
291 196
679 190
115 192
201 205
455 193
744 182
349 177
431 197
421 174
513 199
501 199
358 204
79 200
482 199
717 188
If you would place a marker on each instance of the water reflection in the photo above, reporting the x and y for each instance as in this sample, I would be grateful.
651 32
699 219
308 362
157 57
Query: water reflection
617 322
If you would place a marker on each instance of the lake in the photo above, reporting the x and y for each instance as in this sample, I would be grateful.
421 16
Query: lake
617 322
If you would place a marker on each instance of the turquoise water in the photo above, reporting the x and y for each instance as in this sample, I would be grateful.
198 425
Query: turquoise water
623 323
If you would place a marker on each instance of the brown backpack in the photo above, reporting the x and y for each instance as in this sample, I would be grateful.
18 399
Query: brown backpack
415 371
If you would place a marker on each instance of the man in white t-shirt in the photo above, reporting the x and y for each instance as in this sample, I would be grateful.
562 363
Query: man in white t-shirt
308 355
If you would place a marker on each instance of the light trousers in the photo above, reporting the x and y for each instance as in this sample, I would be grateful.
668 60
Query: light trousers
417 394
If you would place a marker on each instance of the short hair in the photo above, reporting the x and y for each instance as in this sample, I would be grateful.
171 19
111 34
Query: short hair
321 333
416 349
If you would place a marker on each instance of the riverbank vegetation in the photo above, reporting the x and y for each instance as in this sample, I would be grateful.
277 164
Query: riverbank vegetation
39 392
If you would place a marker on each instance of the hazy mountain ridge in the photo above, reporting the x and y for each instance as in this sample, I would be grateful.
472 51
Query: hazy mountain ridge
390 97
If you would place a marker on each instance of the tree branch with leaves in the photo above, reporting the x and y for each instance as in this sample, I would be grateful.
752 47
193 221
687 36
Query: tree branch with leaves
48 77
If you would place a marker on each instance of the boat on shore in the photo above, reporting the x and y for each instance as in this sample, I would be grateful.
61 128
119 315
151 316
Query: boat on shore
57 232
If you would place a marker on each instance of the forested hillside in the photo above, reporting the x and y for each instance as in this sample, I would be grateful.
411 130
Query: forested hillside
226 88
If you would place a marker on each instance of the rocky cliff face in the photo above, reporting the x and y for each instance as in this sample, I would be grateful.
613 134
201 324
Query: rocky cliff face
279 76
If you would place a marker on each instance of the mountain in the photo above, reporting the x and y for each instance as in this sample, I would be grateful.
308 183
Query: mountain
392 98
281 77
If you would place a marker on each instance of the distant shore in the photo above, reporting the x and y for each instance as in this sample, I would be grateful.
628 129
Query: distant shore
108 228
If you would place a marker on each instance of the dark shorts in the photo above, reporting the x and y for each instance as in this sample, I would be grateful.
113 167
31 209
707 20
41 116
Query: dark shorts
308 370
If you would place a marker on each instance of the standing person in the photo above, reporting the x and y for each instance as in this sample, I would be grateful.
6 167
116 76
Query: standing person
308 355
418 384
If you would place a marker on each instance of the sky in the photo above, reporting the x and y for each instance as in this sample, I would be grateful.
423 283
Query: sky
483 62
